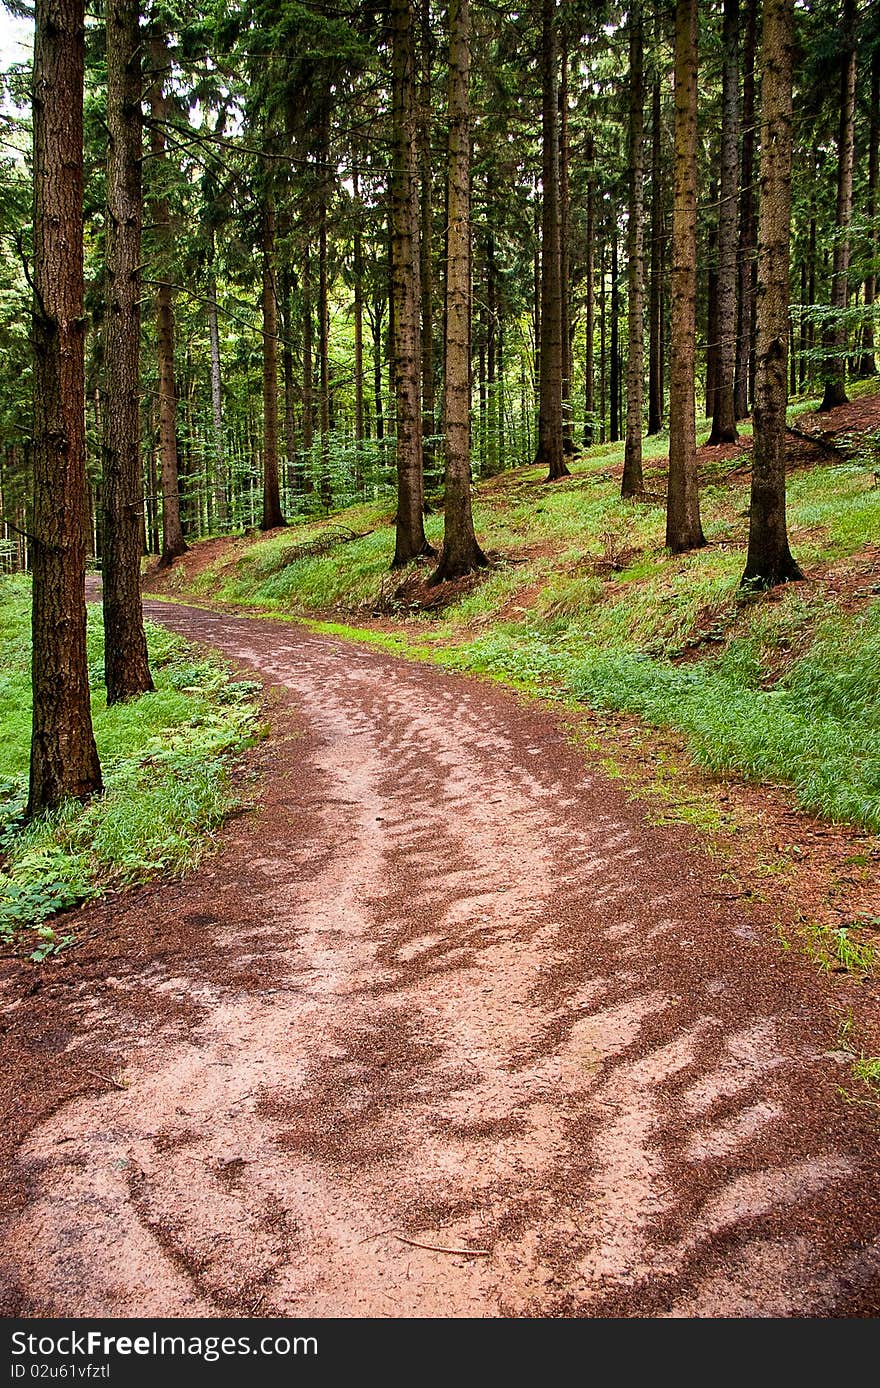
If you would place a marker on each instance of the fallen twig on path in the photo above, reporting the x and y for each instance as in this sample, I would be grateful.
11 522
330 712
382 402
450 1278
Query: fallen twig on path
437 1248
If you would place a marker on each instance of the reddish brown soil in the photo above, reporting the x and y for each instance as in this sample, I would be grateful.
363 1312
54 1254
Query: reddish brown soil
447 986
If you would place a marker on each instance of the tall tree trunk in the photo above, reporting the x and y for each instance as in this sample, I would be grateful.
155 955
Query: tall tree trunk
410 540
64 760
683 528
614 374
603 333
461 554
492 342
173 543
377 313
565 258
745 298
655 344
273 515
426 265
308 417
550 446
589 278
633 484
358 328
836 338
285 308
868 362
126 665
217 408
712 313
769 559
324 342
724 415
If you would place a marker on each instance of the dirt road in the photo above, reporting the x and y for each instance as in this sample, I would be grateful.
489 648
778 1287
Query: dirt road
446 987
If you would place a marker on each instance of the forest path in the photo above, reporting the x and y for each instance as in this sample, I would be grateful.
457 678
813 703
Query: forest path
447 986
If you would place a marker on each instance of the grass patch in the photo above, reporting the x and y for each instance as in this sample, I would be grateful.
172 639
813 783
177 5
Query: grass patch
165 763
839 949
591 609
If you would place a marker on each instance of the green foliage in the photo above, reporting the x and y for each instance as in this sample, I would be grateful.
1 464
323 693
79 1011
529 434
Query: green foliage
586 605
165 761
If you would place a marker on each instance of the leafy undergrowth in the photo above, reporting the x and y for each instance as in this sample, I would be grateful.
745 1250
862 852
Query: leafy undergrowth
164 758
584 604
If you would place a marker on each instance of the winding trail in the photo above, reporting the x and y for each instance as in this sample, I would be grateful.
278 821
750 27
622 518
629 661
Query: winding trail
447 987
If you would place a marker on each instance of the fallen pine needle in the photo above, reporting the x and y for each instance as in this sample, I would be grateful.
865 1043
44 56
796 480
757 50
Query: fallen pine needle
108 1079
437 1248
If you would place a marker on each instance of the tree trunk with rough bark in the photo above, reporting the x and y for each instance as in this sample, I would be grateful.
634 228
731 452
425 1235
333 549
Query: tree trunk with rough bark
745 297
655 339
217 409
273 516
868 365
426 265
308 416
565 224
126 664
461 554
550 452
633 484
173 542
590 290
614 346
835 339
358 325
683 527
769 558
64 760
410 539
724 414
325 485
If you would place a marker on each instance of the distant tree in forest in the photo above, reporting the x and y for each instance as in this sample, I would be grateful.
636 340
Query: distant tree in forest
64 759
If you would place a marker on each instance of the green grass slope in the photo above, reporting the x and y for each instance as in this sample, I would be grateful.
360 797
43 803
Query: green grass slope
584 604
165 764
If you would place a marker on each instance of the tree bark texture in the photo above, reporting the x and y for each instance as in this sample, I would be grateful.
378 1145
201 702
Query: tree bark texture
590 291
769 559
358 321
550 445
836 336
173 543
655 338
633 484
273 515
565 226
461 554
410 540
868 363
126 665
746 298
683 528
308 417
217 408
724 414
426 206
64 759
